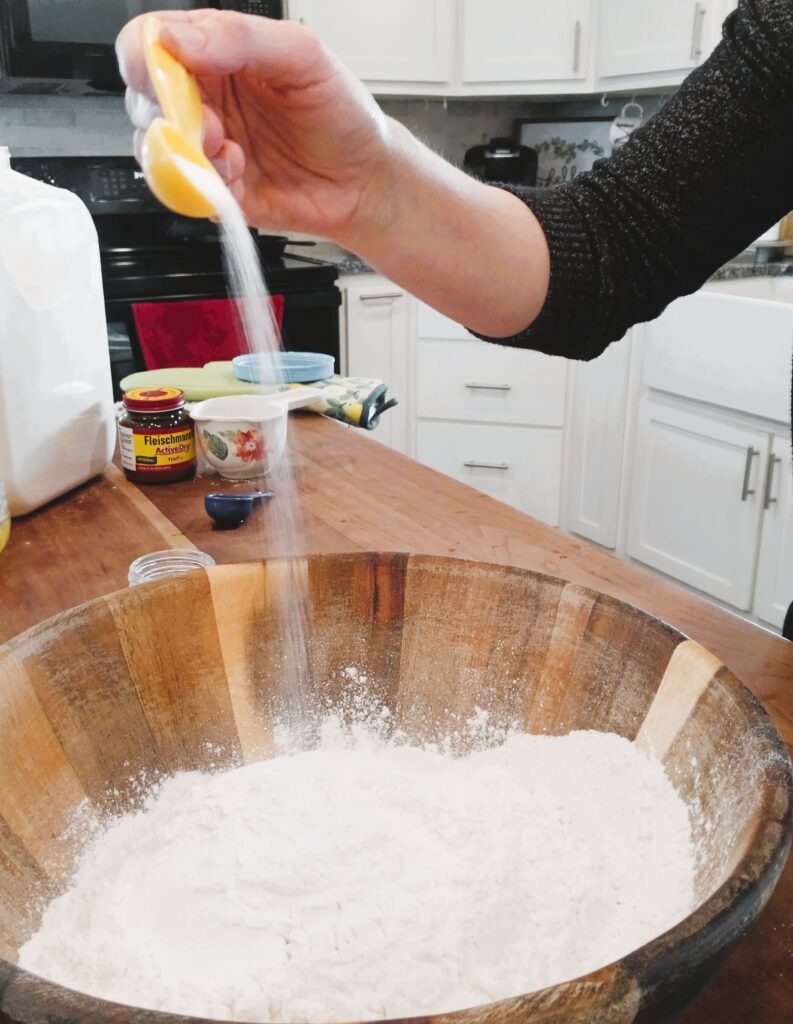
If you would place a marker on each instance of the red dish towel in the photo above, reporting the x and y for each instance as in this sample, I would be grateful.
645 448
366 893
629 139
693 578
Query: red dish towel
194 332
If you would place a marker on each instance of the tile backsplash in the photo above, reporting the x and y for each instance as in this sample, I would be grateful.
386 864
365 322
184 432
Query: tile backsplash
78 126
451 127
65 126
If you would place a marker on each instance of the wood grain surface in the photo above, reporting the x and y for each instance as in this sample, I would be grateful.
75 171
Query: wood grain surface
356 495
435 639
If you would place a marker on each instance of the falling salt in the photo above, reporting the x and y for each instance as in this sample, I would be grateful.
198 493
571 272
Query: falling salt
284 535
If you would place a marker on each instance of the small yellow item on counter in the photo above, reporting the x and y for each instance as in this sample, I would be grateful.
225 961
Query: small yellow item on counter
176 135
5 518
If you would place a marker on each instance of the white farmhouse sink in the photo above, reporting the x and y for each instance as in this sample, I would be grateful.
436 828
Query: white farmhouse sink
730 345
766 289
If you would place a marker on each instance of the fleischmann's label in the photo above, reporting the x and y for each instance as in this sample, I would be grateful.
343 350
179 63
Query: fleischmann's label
154 450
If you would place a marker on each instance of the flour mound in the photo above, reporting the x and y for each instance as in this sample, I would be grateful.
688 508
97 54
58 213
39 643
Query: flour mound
365 879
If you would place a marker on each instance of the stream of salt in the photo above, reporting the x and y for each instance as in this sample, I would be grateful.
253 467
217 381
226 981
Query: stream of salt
283 519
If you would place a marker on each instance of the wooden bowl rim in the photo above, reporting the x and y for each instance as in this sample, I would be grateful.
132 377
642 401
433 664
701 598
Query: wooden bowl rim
645 967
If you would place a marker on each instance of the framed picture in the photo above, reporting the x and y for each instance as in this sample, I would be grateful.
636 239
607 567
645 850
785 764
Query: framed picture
565 148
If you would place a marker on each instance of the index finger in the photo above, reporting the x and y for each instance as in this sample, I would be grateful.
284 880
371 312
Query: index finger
129 47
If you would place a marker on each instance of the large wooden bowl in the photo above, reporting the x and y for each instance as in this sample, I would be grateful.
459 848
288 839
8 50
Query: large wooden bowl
163 676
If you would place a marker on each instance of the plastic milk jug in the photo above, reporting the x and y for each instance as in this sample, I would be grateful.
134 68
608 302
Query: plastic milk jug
57 425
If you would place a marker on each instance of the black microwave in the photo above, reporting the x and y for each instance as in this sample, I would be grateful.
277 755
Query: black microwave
52 46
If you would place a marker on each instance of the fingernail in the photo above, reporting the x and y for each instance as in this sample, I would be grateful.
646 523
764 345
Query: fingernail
186 37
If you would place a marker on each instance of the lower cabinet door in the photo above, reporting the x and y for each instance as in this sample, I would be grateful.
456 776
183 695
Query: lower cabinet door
377 346
697 500
775 572
521 466
597 427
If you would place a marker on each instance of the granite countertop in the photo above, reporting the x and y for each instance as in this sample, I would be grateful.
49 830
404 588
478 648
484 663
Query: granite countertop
742 266
349 263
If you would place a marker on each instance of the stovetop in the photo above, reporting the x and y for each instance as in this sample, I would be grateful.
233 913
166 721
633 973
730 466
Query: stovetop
146 250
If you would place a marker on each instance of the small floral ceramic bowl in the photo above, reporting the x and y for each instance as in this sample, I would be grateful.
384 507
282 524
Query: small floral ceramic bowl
241 436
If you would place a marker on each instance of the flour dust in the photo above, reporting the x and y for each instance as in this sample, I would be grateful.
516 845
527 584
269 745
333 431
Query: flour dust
369 877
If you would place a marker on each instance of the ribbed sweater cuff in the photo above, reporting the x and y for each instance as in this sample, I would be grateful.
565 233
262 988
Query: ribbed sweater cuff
574 281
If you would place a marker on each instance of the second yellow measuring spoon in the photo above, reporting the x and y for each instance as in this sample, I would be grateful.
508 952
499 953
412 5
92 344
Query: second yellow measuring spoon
177 133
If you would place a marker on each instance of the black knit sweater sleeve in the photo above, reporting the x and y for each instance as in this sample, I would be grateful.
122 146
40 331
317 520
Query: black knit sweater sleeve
692 188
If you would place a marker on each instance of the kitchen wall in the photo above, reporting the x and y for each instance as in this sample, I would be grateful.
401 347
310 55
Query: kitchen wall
450 127
65 125
47 125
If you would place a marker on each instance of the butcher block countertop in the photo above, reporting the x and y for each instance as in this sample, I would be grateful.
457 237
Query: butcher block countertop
357 495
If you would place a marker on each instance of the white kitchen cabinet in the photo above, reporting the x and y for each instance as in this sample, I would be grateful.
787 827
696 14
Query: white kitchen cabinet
478 381
730 344
697 501
525 41
598 403
490 416
521 466
378 345
389 41
647 39
775 570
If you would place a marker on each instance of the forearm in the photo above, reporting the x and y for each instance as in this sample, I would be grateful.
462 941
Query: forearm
472 251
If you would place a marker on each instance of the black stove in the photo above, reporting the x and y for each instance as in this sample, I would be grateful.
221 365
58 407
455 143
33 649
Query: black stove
151 255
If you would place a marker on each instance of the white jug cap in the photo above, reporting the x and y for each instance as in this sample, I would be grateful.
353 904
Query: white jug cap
5 158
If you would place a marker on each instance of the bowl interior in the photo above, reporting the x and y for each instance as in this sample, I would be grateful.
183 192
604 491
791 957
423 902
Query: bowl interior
184 673
229 408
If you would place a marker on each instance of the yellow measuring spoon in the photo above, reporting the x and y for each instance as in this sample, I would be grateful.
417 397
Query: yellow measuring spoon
177 134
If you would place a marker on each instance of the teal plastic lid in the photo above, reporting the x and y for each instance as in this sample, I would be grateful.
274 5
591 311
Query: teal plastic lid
284 367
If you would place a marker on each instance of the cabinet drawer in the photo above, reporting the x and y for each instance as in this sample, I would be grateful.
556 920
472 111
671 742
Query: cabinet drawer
521 466
484 383
432 324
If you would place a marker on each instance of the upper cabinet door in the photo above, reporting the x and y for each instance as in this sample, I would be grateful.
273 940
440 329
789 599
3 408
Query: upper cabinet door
642 37
525 40
388 40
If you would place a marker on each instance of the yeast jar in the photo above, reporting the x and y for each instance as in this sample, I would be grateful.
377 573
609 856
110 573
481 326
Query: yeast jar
156 436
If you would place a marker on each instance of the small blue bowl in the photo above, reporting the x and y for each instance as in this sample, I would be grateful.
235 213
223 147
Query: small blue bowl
284 368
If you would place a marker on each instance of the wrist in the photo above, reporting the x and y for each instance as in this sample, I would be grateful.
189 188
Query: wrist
385 193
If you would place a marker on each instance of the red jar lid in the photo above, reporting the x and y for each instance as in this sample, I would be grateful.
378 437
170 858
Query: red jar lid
153 399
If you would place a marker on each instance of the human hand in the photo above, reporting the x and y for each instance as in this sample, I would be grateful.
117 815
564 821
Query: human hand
294 134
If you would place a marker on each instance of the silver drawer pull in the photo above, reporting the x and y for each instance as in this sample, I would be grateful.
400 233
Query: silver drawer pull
768 501
746 491
696 36
475 385
473 464
577 47
382 297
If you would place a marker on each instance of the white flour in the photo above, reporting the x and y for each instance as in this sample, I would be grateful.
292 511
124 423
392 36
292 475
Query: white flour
364 880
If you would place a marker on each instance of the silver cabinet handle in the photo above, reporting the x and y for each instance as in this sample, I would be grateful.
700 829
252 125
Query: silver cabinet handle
381 297
473 464
768 501
696 35
577 46
751 455
477 386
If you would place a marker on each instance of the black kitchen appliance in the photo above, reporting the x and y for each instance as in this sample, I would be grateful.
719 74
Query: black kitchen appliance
151 255
502 160
66 46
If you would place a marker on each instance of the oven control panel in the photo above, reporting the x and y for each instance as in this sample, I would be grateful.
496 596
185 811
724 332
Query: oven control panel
105 184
